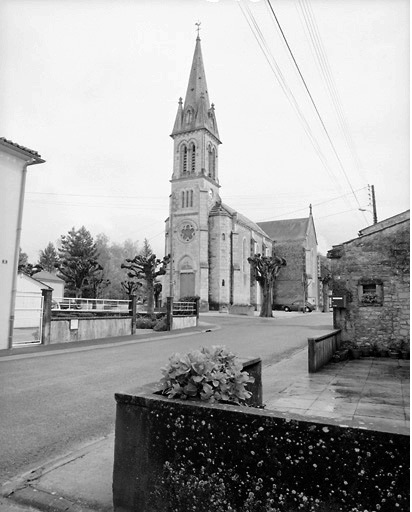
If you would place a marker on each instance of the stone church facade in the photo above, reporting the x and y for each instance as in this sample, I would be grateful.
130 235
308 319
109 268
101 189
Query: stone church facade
209 241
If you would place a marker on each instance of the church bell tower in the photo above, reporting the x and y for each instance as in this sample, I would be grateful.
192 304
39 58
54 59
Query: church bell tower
194 188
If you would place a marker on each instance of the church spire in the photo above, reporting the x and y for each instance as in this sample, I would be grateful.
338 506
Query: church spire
196 112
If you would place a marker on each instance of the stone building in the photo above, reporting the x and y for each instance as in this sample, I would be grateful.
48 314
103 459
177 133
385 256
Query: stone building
371 279
209 241
295 240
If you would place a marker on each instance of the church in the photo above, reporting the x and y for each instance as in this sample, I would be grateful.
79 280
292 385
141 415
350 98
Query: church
209 242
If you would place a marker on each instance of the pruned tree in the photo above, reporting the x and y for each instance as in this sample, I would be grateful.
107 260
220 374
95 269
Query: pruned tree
48 258
130 287
78 264
157 291
146 268
266 269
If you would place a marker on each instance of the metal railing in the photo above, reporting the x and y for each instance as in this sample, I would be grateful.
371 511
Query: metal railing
184 309
92 305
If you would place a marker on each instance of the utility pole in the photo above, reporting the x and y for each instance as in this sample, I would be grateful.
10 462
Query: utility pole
375 216
171 287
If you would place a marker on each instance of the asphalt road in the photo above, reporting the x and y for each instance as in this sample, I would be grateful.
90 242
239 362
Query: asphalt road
54 402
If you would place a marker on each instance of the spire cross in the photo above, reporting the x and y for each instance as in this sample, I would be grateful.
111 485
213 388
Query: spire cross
198 28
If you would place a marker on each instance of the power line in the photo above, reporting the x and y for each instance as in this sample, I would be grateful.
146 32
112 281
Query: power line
283 85
317 204
94 195
313 102
321 59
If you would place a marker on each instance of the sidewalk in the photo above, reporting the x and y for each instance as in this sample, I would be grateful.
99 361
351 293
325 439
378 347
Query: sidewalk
366 393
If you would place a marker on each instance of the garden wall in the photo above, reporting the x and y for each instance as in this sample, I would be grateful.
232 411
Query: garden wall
183 322
77 329
179 455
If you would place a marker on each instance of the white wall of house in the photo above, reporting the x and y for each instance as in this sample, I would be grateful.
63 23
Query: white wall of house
13 166
28 302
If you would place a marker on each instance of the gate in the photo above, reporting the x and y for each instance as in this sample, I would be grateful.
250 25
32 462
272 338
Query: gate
28 317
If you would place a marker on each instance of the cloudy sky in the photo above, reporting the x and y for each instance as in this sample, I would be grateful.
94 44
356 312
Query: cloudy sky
94 87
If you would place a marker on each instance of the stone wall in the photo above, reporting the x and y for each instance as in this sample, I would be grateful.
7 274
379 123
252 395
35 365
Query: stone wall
288 285
230 279
380 258
78 329
183 454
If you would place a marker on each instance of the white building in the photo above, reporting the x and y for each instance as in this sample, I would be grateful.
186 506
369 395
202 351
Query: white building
14 160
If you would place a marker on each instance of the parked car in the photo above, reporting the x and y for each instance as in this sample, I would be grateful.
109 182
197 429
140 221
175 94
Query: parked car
296 305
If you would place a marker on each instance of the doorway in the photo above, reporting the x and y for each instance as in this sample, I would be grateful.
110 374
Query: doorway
187 284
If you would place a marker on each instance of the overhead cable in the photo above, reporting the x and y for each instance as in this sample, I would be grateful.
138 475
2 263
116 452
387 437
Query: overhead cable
313 102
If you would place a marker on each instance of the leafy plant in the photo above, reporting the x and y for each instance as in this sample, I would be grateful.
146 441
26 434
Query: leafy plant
189 298
161 324
369 298
145 323
209 374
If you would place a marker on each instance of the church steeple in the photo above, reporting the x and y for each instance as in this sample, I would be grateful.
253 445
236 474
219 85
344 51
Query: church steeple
196 113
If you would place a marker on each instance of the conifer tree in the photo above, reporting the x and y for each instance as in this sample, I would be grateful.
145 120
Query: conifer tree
48 258
78 264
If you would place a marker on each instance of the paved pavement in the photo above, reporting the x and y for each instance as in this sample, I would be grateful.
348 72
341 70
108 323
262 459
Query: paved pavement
366 393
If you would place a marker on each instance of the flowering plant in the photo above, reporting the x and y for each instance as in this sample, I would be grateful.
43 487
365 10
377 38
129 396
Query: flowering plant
209 374
369 298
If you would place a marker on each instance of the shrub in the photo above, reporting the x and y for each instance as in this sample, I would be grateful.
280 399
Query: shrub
145 323
209 374
161 324
189 298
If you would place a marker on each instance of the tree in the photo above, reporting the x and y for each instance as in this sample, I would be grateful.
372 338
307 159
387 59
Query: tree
130 287
111 256
25 267
146 268
266 269
78 264
48 258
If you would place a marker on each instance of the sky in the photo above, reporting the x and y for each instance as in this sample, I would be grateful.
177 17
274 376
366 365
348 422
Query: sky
94 88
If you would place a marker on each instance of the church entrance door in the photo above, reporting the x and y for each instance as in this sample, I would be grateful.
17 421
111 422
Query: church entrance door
187 284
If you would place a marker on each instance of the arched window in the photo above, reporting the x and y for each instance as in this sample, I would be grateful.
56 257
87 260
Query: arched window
213 163
187 198
184 158
223 237
209 161
188 116
193 157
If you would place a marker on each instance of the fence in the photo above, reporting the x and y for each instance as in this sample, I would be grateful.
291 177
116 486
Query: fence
94 305
181 315
321 350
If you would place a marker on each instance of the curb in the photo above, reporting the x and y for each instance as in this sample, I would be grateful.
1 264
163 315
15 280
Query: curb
205 327
23 491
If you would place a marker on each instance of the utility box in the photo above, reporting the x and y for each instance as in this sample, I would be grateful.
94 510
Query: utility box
339 301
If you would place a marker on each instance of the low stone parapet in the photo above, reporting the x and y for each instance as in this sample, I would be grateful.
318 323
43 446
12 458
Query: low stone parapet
68 329
180 454
242 309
